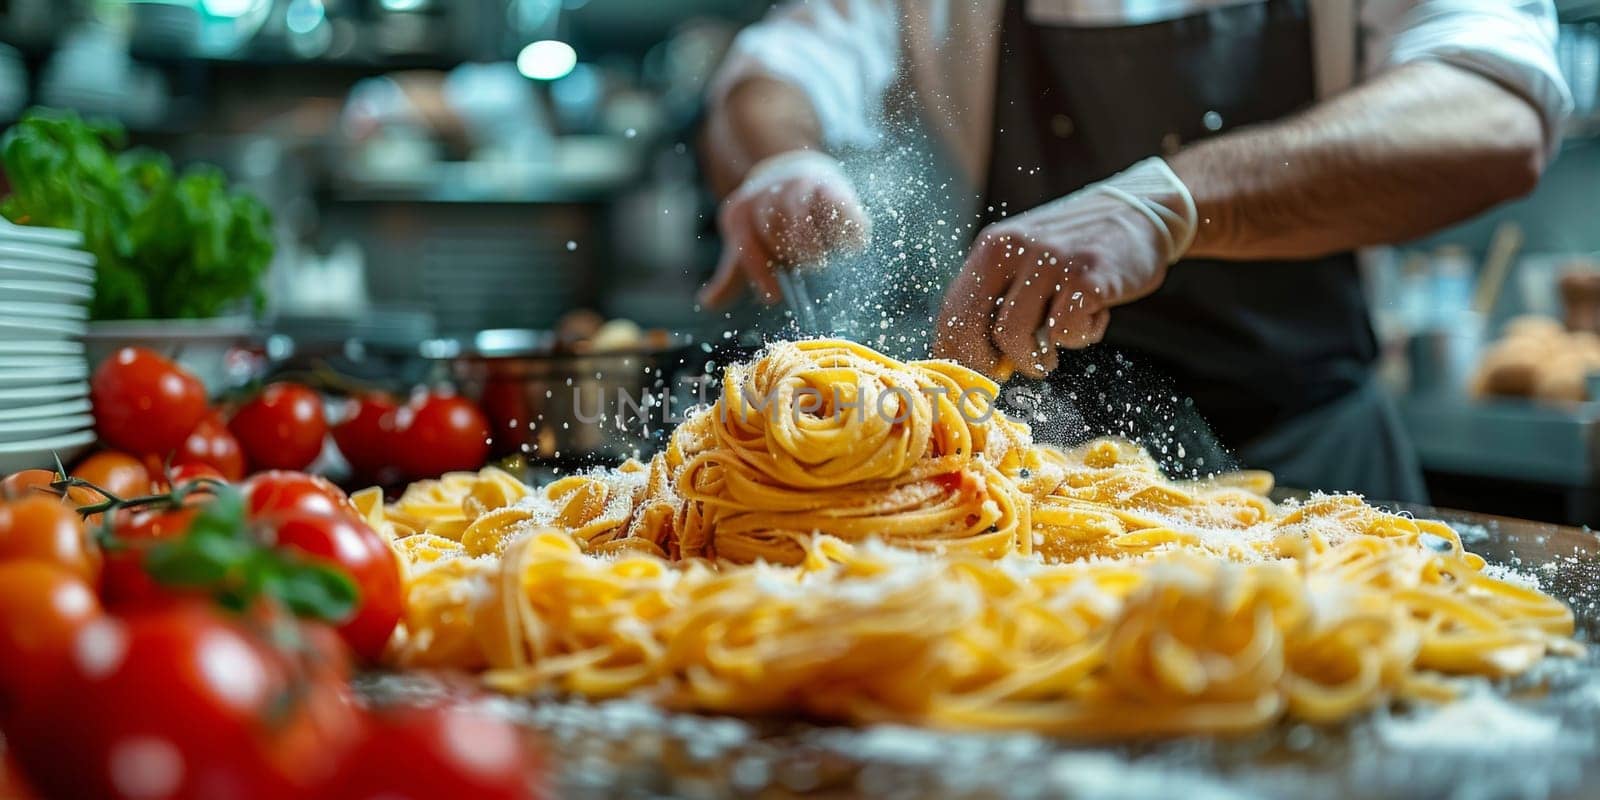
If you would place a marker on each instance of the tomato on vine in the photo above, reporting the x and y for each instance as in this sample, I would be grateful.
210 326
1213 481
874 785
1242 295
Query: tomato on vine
124 581
42 607
280 491
178 703
188 473
40 528
29 482
348 544
26 482
120 474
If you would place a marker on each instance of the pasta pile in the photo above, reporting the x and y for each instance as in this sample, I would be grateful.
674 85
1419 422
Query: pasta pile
934 567
908 453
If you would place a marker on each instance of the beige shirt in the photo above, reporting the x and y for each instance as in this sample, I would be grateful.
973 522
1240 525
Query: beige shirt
855 57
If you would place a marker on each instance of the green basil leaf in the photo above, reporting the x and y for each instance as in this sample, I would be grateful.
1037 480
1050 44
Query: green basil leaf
316 590
222 517
196 562
216 549
167 245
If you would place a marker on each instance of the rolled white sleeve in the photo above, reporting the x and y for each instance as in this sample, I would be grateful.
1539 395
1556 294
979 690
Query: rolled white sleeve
1509 41
844 54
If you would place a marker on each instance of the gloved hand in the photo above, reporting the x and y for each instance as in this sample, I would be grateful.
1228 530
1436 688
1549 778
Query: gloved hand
1048 278
792 208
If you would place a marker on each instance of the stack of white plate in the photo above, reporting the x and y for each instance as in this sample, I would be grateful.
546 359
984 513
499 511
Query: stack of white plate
46 283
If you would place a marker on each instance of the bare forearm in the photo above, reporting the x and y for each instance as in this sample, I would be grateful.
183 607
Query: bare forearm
1412 151
759 117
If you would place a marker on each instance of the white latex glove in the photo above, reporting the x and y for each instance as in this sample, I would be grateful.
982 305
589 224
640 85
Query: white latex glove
1048 278
792 209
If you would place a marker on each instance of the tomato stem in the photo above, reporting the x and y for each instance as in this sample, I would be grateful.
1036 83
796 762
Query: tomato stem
106 533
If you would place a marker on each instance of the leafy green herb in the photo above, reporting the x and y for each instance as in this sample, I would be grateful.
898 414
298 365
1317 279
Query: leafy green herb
222 555
169 245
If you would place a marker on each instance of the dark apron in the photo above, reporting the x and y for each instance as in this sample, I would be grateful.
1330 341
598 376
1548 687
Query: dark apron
1275 355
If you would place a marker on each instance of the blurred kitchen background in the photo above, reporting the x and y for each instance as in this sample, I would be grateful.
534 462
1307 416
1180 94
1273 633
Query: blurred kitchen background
442 167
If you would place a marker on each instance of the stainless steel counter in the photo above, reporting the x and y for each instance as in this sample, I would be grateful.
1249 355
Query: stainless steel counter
1534 460
1511 439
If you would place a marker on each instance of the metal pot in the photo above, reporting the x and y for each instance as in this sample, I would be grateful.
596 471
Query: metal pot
563 408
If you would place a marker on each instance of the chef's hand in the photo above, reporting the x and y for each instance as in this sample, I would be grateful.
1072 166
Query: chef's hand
792 209
1049 277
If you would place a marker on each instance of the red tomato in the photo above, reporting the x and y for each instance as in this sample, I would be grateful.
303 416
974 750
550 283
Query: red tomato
447 751
22 483
504 403
314 647
366 436
42 606
177 703
27 482
441 433
118 473
281 491
12 784
145 404
124 584
350 545
310 747
310 743
154 524
325 651
212 444
40 528
282 428
188 473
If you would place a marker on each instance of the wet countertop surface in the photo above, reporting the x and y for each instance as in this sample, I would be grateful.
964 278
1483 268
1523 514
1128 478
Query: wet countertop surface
1535 736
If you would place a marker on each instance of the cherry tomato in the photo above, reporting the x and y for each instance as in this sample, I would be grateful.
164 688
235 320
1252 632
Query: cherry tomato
325 651
314 647
504 402
361 553
366 435
310 746
40 528
124 584
188 473
445 751
145 404
282 428
42 606
154 524
118 473
213 445
441 433
177 703
326 722
30 482
12 785
281 491
26 482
